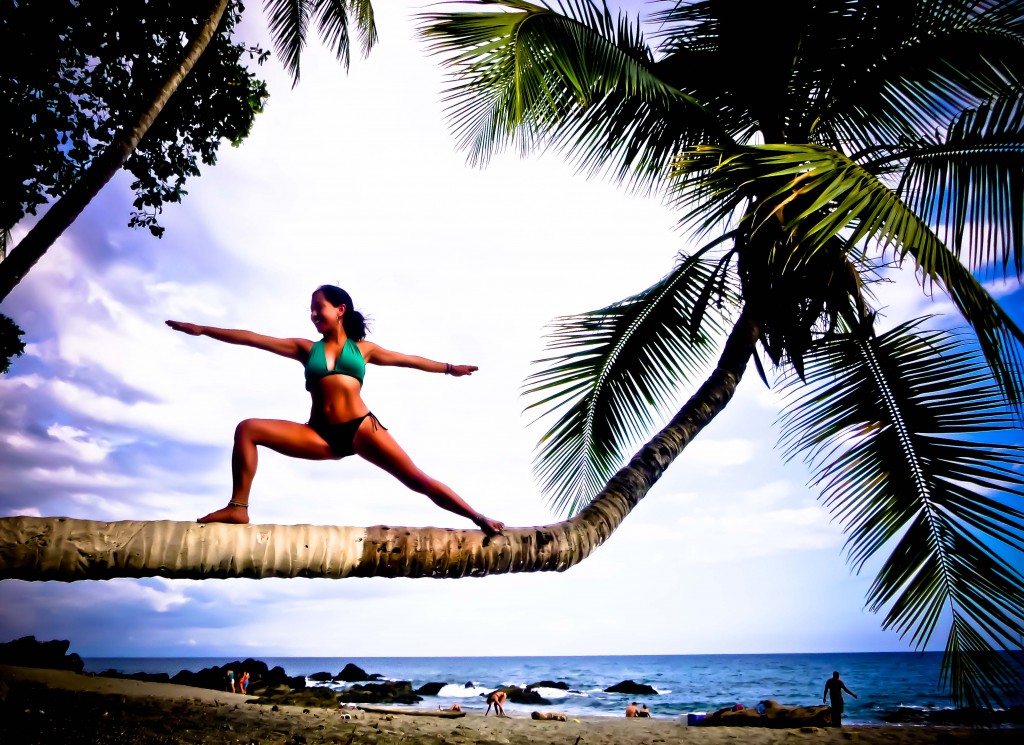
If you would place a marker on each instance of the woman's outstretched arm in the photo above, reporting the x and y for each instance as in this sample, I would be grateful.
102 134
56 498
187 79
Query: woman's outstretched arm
296 349
377 355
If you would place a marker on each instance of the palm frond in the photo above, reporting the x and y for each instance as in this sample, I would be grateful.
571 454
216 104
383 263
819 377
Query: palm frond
366 26
969 186
617 365
576 78
288 21
289 25
892 427
335 26
918 69
842 73
817 194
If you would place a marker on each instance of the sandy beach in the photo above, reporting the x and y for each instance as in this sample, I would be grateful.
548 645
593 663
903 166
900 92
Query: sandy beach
51 706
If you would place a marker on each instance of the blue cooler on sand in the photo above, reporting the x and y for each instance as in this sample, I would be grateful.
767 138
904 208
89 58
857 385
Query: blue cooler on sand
694 718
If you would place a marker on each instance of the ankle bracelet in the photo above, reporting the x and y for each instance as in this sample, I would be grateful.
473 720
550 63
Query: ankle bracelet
233 503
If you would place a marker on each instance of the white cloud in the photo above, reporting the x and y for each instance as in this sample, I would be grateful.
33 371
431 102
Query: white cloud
86 449
719 454
18 441
73 477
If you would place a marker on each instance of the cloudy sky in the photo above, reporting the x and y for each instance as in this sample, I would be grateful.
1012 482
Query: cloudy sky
357 181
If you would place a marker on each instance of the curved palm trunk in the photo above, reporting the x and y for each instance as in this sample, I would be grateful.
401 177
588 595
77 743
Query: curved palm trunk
57 548
66 210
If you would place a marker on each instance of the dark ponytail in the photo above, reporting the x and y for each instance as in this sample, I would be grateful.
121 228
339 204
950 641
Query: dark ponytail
352 321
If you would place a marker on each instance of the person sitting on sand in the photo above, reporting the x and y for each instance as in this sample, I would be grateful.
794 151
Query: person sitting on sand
454 707
644 711
496 699
631 710
340 424
834 688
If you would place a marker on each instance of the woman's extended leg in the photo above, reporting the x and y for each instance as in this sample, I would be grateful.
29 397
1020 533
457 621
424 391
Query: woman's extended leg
287 438
375 444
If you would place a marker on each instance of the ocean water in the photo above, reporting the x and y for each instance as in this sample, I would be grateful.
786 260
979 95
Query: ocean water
884 681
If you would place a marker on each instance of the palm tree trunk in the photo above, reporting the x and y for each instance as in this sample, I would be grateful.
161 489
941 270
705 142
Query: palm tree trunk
66 210
57 548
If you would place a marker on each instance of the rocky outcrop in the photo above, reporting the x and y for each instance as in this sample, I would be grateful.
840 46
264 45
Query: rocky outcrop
548 684
391 692
353 673
145 677
316 697
517 695
628 686
430 689
261 677
52 655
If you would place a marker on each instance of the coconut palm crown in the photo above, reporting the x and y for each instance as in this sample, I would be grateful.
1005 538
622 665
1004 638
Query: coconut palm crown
810 147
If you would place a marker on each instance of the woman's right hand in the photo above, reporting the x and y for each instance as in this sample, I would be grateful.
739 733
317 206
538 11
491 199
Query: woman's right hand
186 328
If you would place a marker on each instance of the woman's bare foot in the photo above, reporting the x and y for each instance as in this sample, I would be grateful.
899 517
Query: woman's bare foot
489 526
230 514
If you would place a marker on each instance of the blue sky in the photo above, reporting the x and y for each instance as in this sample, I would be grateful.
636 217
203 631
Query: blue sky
356 181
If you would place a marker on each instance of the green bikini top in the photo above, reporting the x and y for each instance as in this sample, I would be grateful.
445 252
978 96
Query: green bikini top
350 362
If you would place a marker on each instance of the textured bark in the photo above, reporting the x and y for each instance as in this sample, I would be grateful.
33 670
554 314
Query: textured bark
66 210
65 549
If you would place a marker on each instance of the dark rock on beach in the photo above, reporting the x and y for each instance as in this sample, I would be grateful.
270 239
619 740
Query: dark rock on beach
628 686
352 673
517 695
321 677
261 677
317 697
52 655
548 684
146 677
397 692
430 689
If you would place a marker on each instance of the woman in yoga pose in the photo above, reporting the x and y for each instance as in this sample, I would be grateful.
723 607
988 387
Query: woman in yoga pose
340 424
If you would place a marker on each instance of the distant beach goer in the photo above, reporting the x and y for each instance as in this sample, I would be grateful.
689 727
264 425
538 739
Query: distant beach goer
631 710
244 682
496 699
834 688
231 680
454 707
644 711
340 424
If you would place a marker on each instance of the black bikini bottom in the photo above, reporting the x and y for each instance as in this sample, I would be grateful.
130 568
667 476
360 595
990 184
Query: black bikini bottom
340 436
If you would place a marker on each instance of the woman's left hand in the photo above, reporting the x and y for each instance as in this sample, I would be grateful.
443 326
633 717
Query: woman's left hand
459 370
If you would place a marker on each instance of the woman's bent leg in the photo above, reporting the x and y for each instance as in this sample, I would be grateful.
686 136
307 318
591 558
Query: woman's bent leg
376 445
288 438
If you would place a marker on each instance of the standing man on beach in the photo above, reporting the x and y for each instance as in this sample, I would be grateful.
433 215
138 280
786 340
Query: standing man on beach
834 688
